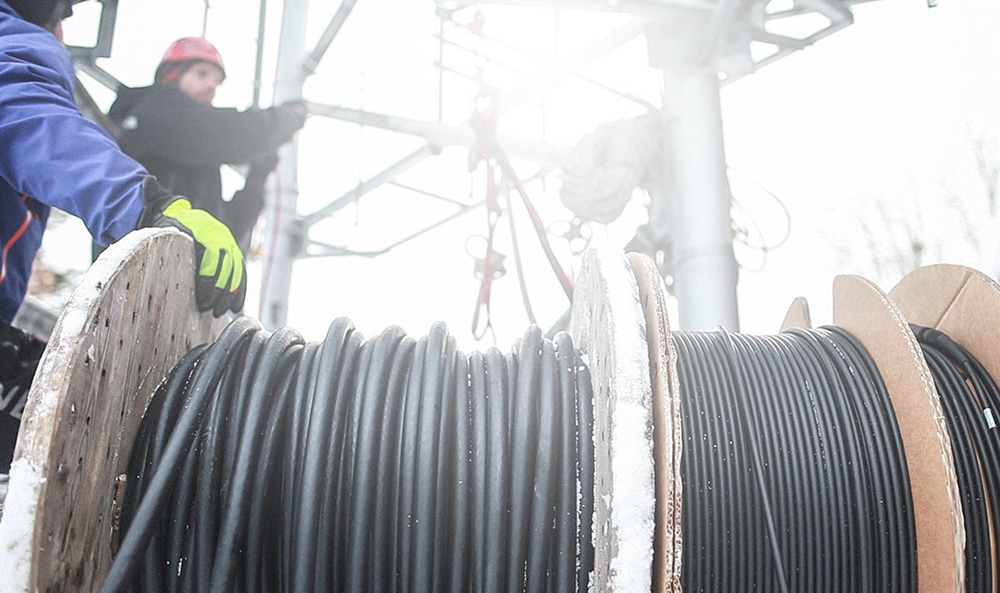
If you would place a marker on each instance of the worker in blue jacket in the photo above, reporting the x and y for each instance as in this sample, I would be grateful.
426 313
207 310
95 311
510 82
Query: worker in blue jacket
51 156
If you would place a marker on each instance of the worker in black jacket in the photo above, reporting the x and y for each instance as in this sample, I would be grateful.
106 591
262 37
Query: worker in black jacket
172 128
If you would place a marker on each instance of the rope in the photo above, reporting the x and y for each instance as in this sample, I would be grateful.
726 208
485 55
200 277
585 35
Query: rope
266 463
603 169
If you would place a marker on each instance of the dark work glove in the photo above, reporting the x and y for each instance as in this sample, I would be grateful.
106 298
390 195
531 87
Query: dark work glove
19 356
220 280
288 118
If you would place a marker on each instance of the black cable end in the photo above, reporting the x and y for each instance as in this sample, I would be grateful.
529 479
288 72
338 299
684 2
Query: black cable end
941 341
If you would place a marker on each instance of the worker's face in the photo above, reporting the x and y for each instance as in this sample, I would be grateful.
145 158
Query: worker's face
200 81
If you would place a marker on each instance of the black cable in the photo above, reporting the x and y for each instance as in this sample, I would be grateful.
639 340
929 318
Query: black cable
794 476
257 442
742 398
969 398
204 378
897 532
265 463
516 246
522 446
496 458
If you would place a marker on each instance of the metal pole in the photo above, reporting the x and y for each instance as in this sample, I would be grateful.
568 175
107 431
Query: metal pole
283 225
259 58
704 266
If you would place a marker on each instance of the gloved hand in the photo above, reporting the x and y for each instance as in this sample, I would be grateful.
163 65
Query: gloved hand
220 280
288 118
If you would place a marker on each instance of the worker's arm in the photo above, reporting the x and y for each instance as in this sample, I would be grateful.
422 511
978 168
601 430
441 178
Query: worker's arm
173 126
48 150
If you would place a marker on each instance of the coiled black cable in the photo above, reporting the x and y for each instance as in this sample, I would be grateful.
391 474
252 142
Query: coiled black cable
969 399
266 463
793 469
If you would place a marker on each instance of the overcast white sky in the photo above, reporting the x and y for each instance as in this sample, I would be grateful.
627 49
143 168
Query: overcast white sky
883 112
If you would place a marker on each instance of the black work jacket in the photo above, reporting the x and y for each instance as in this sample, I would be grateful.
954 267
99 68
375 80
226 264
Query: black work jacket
184 142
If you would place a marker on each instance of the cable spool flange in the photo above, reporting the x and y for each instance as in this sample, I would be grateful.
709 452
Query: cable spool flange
608 325
667 433
862 309
797 314
957 300
130 319
962 303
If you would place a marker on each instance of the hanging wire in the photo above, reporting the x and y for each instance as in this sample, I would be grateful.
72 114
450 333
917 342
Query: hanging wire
267 463
751 234
486 135
518 261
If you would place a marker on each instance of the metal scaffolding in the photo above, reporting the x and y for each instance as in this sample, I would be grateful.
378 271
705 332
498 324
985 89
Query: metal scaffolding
698 45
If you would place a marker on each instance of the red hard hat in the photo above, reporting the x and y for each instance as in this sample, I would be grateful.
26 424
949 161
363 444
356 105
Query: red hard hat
190 49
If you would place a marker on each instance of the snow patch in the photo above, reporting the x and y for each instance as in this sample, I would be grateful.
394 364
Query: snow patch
17 525
609 326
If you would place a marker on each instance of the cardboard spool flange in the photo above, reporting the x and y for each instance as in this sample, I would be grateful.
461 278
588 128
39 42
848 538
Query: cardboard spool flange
130 319
667 430
961 302
797 315
964 304
608 326
861 308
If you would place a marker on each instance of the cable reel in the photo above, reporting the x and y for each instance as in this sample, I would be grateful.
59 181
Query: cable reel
109 351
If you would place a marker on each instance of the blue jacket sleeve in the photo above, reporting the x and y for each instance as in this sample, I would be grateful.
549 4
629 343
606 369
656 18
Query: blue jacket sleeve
48 149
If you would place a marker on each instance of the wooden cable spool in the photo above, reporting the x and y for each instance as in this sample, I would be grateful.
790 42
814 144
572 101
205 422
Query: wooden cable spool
131 318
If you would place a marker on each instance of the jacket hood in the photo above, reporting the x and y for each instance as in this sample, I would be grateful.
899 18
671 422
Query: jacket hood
128 99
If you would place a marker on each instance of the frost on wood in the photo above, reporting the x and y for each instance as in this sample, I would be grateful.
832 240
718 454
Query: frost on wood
55 510
30 467
17 527
608 325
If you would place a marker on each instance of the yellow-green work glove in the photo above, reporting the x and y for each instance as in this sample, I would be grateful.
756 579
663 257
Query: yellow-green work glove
220 280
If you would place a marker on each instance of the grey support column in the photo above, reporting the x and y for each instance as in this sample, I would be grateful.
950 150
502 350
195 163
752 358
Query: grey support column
704 267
